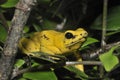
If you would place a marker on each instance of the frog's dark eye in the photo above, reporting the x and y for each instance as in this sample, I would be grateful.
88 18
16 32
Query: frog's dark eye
69 35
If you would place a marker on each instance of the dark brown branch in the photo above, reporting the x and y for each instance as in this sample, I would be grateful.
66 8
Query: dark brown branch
10 48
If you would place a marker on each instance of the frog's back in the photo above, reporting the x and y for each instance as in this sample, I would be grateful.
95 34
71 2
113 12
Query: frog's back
50 33
48 37
44 35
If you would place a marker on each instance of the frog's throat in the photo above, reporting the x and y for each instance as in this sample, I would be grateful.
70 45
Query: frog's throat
73 43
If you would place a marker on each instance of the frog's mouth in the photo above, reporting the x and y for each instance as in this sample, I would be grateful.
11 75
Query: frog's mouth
78 41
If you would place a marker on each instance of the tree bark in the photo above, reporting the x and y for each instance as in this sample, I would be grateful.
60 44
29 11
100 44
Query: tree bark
20 17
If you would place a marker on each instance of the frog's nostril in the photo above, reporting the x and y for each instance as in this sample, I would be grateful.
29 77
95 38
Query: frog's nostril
84 34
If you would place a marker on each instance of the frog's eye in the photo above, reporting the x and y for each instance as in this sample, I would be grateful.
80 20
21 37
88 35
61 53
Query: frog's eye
69 35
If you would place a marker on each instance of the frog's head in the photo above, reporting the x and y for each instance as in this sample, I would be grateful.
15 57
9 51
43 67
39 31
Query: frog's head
74 37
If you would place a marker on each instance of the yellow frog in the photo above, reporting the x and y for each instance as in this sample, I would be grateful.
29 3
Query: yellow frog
53 42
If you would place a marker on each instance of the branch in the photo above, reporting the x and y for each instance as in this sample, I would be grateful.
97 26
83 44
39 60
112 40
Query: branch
10 48
53 65
68 63
97 52
104 23
36 68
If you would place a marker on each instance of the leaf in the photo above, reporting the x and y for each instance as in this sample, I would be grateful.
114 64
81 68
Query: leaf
79 74
47 24
88 42
113 19
112 33
3 34
37 27
22 79
19 63
43 56
109 60
9 4
42 75
26 29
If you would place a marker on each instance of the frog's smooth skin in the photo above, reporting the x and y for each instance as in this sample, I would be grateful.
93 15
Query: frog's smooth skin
54 42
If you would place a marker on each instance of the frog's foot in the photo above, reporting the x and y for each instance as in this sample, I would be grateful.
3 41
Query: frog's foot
80 66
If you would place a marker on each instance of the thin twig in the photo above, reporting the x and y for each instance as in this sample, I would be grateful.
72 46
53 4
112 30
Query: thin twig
19 72
97 52
83 62
103 41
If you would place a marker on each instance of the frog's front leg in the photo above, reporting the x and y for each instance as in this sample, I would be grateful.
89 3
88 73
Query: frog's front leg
79 58
80 66
50 50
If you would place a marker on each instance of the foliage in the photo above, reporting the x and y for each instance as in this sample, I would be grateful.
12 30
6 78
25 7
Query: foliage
9 4
3 33
88 42
113 18
109 60
41 75
48 14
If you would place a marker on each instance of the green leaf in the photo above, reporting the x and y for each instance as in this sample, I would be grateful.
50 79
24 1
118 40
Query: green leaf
26 29
22 79
109 60
88 42
9 4
37 27
35 64
3 34
113 19
112 33
47 24
79 74
42 75
19 63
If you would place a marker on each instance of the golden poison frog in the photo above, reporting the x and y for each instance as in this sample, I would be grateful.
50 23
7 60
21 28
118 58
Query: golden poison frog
53 42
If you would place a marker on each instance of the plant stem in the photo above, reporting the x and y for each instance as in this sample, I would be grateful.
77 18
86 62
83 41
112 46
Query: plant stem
104 25
83 62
